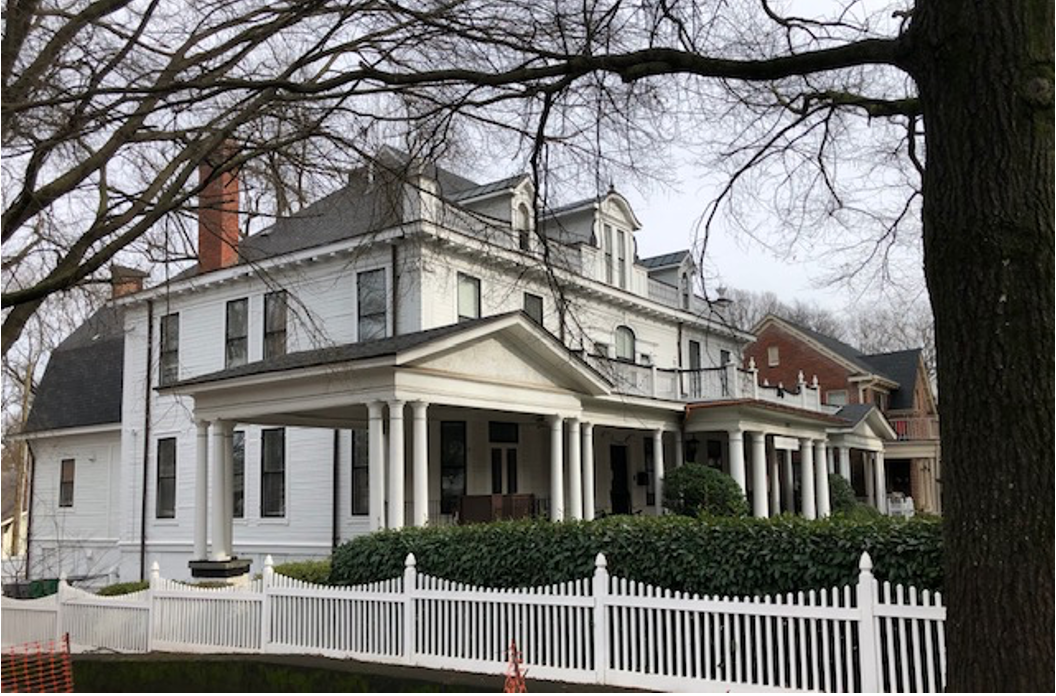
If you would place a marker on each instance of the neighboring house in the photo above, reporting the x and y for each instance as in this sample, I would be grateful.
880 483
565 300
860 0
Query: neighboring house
897 383
409 350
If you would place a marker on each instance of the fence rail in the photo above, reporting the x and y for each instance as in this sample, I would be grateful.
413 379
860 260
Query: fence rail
604 630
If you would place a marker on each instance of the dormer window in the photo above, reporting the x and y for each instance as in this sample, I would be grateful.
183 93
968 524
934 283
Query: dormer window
685 291
621 256
523 224
625 344
606 246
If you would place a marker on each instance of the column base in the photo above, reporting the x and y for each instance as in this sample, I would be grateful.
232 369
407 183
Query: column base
220 570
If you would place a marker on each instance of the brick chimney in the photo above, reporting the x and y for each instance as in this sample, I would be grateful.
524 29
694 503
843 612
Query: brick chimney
218 217
125 280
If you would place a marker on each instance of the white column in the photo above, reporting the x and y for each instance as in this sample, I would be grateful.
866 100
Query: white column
881 483
421 463
806 483
658 470
758 449
821 475
229 486
219 552
557 468
870 478
788 489
588 471
830 459
575 471
680 458
201 494
775 481
845 463
376 465
397 469
736 449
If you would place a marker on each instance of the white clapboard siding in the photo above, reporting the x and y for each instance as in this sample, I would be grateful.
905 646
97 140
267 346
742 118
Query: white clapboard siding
600 630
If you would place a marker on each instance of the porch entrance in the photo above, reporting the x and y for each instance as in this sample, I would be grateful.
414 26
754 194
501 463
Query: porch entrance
619 492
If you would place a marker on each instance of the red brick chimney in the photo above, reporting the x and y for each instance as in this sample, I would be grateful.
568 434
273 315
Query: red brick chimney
125 280
218 217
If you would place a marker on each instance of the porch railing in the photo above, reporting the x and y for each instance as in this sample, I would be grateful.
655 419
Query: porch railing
915 427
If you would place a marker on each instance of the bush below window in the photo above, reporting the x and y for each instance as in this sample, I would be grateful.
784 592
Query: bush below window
696 489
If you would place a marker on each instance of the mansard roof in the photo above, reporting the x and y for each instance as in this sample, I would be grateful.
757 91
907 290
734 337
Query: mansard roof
83 380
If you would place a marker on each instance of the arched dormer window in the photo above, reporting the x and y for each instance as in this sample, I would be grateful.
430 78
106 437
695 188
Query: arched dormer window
625 344
685 291
523 224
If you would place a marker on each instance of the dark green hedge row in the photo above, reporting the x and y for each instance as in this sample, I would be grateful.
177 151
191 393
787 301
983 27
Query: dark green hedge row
733 556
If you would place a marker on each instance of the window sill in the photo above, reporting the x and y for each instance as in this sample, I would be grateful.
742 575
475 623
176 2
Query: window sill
277 521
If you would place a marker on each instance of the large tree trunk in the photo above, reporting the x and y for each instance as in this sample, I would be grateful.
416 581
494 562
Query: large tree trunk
984 72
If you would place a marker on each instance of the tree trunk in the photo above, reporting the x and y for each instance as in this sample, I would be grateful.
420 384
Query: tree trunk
986 86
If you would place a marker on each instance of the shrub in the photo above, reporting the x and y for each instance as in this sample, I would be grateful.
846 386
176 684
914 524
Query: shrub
723 556
841 494
121 588
317 572
696 489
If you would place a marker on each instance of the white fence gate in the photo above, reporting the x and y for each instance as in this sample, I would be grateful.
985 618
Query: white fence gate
601 630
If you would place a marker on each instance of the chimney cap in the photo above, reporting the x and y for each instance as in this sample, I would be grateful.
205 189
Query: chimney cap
119 272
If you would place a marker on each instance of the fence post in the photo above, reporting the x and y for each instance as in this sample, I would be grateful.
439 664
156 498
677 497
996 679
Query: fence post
59 595
601 618
265 603
410 583
152 586
868 646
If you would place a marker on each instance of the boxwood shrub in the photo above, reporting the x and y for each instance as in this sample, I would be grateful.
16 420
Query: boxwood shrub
728 556
308 571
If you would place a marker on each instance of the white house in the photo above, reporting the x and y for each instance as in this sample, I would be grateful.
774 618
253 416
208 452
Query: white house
409 350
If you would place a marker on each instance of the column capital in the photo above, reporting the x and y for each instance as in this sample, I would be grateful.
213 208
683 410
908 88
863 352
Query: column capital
587 426
573 420
556 420
396 405
227 427
419 405
735 433
374 409
756 435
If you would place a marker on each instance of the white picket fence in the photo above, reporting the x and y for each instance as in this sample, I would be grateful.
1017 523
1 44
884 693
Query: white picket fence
600 630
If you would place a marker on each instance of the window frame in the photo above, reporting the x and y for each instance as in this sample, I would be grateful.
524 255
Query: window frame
373 316
451 499
238 474
67 485
534 298
621 257
360 464
169 349
624 330
773 356
272 333
475 283
606 246
165 494
231 340
523 225
267 475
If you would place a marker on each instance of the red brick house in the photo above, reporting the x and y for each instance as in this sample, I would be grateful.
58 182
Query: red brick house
896 383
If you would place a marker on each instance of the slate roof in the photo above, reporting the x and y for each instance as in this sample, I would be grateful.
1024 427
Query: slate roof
902 367
664 260
83 380
484 189
854 413
551 212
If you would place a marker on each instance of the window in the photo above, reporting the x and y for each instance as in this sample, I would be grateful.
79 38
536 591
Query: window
607 246
836 397
452 465
165 505
621 257
503 438
624 344
685 291
237 332
773 357
275 324
533 307
646 359
273 473
360 473
372 304
468 297
601 349
724 357
650 477
695 384
170 349
66 483
524 232
238 474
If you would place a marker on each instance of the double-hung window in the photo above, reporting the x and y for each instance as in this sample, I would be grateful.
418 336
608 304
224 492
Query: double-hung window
606 245
621 257
236 334
371 302
273 473
66 482
165 504
452 465
169 353
360 472
625 344
238 474
533 307
468 297
275 310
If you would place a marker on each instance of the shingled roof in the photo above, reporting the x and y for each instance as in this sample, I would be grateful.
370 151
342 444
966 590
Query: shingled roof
664 260
83 380
902 367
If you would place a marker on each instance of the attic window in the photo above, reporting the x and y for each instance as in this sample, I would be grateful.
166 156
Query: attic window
836 397
523 223
685 291
773 358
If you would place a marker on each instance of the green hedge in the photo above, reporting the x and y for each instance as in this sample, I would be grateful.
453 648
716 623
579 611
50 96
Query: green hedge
739 556
308 571
121 588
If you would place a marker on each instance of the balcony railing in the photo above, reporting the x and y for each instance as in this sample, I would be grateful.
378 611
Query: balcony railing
915 427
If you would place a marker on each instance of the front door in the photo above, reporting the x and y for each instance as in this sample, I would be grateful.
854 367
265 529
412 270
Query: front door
619 493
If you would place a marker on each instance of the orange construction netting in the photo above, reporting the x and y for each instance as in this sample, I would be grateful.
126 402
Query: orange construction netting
514 673
38 668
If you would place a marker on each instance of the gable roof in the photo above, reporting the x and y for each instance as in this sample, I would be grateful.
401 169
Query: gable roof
902 367
844 350
82 383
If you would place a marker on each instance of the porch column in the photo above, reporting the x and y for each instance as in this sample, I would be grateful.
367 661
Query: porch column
658 470
680 458
737 457
588 471
881 483
557 468
219 552
821 474
788 488
575 471
229 486
806 484
845 463
201 493
376 465
421 463
775 484
397 470
759 500
830 459
870 479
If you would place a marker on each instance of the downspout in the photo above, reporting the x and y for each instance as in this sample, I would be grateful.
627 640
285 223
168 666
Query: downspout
31 462
146 445
335 536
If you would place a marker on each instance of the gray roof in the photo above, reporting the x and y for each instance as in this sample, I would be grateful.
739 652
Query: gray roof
550 212
844 350
854 413
902 367
664 260
484 189
83 380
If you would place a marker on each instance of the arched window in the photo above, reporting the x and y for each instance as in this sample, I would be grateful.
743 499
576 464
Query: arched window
523 224
624 343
